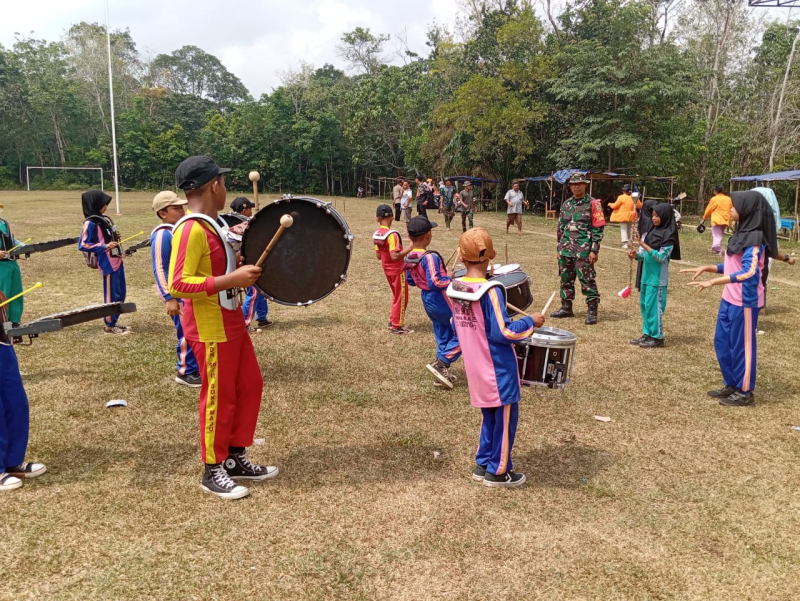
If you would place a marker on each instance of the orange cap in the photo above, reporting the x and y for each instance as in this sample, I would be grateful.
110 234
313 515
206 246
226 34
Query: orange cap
475 245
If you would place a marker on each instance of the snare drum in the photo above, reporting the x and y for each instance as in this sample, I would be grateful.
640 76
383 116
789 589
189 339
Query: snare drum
311 258
460 273
518 289
232 219
546 358
507 268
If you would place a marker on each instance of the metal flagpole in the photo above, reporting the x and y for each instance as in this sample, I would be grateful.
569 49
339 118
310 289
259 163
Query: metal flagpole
111 99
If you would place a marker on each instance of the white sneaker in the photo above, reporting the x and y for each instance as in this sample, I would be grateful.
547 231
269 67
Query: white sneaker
118 331
27 470
9 482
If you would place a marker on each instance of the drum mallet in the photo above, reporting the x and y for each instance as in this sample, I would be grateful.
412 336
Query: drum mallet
286 222
254 177
451 257
10 250
24 292
131 237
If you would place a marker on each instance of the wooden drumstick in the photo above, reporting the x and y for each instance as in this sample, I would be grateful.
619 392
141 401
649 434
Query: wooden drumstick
506 253
516 310
24 292
286 222
10 250
549 300
451 258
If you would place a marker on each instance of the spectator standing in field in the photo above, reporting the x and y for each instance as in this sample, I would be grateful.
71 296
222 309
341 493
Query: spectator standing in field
424 196
447 191
719 210
405 202
515 199
397 195
623 212
467 201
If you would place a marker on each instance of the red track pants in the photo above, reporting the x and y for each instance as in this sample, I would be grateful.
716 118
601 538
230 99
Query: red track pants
399 288
230 396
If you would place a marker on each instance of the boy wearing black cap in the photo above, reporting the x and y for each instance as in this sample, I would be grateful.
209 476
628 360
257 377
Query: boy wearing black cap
427 271
255 304
389 249
203 272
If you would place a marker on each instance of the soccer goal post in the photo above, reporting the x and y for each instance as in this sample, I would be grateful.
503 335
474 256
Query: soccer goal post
28 172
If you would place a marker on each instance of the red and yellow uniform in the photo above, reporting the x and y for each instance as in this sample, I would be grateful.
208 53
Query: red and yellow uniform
230 396
388 241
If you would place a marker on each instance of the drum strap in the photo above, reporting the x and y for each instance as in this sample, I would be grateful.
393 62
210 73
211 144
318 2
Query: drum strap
6 239
227 298
163 226
378 236
418 260
453 290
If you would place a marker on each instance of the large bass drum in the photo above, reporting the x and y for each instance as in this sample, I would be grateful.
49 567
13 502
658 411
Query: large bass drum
310 259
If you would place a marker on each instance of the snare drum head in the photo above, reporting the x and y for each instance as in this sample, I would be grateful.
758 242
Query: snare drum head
509 280
547 334
459 273
310 259
507 268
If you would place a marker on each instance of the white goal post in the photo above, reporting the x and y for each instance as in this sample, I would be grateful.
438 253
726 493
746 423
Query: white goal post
28 172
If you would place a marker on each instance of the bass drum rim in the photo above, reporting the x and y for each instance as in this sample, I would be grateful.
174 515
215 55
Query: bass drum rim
347 235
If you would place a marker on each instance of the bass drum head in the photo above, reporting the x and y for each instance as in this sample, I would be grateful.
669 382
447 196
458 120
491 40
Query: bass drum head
310 259
231 219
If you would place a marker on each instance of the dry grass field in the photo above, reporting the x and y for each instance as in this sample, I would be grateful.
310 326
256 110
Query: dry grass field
675 498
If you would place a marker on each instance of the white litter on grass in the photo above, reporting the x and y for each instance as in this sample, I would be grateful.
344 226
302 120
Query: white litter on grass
259 441
436 454
116 403
601 418
760 332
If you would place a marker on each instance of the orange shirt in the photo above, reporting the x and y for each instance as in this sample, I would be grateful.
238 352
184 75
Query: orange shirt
623 209
719 209
198 256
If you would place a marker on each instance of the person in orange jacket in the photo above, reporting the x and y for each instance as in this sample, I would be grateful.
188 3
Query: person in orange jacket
719 209
623 213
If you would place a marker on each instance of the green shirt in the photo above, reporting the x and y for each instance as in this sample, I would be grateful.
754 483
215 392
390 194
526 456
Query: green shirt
577 237
655 265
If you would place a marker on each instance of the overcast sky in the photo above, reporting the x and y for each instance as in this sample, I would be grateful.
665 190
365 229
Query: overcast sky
253 38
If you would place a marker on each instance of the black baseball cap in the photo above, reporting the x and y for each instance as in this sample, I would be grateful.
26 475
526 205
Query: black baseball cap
241 203
384 211
197 171
420 225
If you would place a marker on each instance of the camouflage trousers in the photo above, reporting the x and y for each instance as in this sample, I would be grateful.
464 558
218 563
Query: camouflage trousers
568 269
464 216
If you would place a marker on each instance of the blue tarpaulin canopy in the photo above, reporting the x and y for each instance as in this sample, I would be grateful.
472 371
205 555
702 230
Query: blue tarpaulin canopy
476 181
769 177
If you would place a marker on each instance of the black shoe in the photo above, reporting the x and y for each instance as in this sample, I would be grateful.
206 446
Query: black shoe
638 341
508 479
722 393
564 311
191 380
217 481
400 331
591 316
439 369
739 399
264 323
478 473
239 467
652 343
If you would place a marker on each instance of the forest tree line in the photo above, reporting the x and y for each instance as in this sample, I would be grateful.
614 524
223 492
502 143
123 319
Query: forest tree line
698 89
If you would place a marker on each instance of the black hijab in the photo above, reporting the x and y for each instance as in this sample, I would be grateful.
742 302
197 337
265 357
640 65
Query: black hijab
646 217
756 224
666 233
92 202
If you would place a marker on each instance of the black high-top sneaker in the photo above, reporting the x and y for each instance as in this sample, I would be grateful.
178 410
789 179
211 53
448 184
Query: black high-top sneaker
439 369
239 467
217 481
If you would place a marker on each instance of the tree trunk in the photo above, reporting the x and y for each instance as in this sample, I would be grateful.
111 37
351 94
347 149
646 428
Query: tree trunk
777 122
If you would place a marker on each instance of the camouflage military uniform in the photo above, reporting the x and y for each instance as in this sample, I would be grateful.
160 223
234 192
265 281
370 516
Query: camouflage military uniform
576 239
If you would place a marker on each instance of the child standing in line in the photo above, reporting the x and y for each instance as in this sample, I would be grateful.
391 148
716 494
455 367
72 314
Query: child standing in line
389 250
170 209
662 245
255 304
754 240
101 238
14 418
486 334
426 271
10 275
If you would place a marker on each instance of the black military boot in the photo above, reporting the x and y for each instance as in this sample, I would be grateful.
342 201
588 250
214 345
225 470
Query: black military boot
591 316
564 311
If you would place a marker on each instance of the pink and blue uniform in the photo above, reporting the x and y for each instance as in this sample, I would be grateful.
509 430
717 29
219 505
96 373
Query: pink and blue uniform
94 240
742 299
255 306
160 250
486 334
426 271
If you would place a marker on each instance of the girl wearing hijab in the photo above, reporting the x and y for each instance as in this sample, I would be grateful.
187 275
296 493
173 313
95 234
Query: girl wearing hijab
644 226
101 238
754 240
656 249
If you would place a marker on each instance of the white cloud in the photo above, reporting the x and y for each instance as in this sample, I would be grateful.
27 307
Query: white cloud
253 38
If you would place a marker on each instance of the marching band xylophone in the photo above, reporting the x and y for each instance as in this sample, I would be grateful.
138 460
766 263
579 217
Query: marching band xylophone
14 334
28 249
